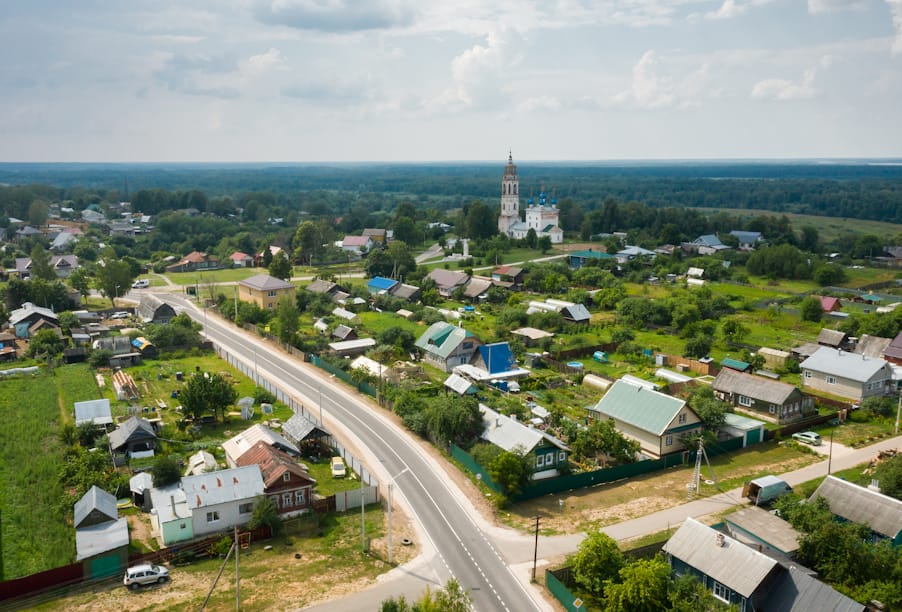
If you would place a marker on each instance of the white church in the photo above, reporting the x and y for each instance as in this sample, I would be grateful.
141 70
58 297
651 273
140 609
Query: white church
541 216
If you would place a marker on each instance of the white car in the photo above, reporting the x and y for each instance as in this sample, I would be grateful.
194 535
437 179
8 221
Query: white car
144 574
142 283
120 315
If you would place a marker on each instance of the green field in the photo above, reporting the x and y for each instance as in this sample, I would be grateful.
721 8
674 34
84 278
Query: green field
35 538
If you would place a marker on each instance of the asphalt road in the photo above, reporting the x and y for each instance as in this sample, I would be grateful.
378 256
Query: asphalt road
456 545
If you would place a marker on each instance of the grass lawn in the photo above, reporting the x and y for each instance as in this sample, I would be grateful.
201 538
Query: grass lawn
30 456
212 276
856 434
634 497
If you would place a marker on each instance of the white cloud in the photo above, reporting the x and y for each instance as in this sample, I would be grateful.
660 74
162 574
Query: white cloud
817 7
648 89
895 9
258 64
336 15
478 76
781 89
728 10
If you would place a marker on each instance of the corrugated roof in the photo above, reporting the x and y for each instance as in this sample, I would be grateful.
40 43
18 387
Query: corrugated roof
442 338
882 513
831 337
95 499
497 357
735 364
140 482
872 346
404 292
640 407
738 421
298 427
732 564
766 527
321 286
460 385
222 486
96 539
507 433
170 503
576 313
796 591
380 283
447 279
476 287
265 282
93 411
273 464
860 368
352 345
755 387
894 350
238 445
133 428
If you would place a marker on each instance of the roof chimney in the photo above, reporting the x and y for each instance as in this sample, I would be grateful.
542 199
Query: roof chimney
720 540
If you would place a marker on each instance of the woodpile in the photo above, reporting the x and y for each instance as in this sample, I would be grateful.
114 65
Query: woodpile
125 386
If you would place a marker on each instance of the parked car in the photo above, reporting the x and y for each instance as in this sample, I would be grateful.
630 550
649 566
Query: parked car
141 283
144 574
339 469
807 437
120 315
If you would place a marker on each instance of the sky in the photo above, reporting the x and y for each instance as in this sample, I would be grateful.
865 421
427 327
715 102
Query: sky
461 80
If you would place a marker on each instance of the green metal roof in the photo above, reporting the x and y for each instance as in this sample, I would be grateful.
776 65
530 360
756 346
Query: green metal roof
729 362
640 407
442 338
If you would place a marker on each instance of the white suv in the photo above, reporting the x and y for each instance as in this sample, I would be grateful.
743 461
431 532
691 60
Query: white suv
139 575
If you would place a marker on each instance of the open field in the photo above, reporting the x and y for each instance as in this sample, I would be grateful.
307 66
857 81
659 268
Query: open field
627 499
30 456
829 228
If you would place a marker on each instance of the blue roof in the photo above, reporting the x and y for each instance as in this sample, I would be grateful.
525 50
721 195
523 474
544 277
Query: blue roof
735 364
380 283
497 357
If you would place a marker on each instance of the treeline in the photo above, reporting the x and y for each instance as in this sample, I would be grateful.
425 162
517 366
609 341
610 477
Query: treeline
864 191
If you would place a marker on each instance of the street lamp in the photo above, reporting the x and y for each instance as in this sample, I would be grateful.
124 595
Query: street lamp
115 295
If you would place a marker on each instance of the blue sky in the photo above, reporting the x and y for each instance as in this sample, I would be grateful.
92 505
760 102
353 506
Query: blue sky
405 80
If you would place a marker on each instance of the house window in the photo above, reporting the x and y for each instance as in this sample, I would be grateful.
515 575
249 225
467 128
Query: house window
468 345
182 525
299 498
275 500
213 516
549 458
668 440
561 457
286 476
745 400
271 294
246 508
540 460
721 592
772 409
286 500
831 380
807 373
681 418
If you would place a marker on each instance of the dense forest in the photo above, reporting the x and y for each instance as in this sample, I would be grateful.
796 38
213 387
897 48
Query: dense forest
856 190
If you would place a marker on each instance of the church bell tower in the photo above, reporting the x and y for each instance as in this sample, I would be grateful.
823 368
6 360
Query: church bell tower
510 197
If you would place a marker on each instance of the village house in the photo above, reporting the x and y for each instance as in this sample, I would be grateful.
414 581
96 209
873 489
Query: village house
445 346
657 421
285 481
864 506
848 375
446 281
264 290
101 536
193 262
547 455
772 400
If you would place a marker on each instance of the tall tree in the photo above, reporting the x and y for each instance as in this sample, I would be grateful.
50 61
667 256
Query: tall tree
287 319
114 277
480 221
642 588
40 264
207 394
280 267
597 560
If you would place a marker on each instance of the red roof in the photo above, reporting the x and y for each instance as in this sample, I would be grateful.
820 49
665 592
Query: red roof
356 240
239 256
830 304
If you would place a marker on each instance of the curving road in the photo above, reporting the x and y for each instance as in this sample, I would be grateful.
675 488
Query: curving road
462 548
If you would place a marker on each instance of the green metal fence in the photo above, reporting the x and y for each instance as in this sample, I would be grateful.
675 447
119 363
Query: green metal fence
596 477
559 590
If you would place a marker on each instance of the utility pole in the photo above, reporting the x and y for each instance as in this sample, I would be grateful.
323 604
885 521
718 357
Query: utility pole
830 454
362 515
898 410
237 573
535 552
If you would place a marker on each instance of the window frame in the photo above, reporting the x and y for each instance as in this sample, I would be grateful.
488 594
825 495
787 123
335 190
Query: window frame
213 516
